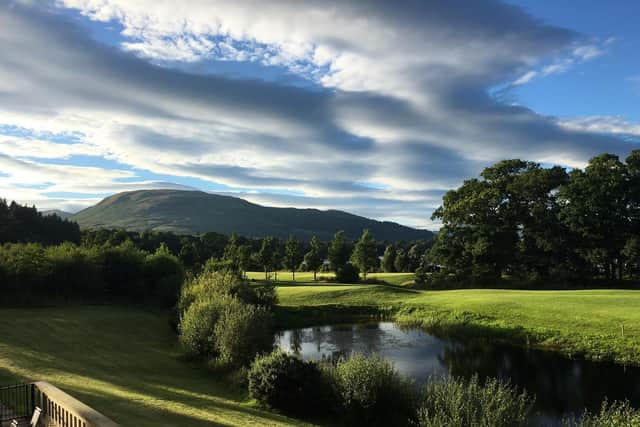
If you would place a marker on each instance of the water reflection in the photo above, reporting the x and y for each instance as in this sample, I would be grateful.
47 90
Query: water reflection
561 385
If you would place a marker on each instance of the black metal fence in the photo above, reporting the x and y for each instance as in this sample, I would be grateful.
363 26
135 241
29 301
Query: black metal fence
16 402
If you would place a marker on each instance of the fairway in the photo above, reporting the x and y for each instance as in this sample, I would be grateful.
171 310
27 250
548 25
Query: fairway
585 322
399 279
124 363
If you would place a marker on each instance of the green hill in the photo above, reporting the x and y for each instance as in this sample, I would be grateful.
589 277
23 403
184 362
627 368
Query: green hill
193 212
61 214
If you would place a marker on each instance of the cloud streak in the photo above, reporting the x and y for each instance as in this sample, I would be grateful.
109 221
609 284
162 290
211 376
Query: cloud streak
396 109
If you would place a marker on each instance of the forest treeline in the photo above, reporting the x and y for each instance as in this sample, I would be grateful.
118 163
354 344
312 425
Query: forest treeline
47 260
539 225
24 224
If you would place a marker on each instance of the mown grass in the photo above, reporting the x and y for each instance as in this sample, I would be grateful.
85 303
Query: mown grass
124 363
579 323
398 279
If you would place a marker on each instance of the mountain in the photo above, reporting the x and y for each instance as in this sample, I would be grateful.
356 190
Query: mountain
61 214
193 212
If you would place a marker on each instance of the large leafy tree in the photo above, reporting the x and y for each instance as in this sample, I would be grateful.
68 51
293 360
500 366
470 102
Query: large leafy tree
313 258
595 206
500 223
365 254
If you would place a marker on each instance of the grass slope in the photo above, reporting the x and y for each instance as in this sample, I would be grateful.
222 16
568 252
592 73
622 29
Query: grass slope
193 212
124 363
587 323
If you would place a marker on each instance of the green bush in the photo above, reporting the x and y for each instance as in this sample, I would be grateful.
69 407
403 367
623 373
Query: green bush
75 273
164 275
454 402
242 332
284 382
26 270
348 273
196 329
123 271
616 414
212 284
373 393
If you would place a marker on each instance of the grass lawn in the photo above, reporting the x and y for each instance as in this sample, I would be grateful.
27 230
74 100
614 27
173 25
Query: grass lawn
399 279
585 322
124 363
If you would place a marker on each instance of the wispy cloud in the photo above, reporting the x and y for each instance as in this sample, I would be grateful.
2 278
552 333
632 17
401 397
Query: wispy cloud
571 58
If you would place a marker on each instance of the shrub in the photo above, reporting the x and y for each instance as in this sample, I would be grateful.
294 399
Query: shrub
75 272
164 275
212 284
284 382
242 332
454 402
123 271
26 270
197 334
348 273
373 393
616 414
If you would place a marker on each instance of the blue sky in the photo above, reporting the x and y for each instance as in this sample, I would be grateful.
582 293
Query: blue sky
360 106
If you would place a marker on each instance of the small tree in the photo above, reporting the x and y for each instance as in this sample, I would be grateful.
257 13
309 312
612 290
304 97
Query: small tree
365 255
265 255
313 259
401 263
231 254
338 251
388 259
292 256
276 258
244 258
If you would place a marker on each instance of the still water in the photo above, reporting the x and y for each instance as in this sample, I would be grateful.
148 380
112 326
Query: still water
562 386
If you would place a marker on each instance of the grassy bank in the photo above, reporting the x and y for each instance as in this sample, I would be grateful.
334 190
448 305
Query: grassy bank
124 363
578 323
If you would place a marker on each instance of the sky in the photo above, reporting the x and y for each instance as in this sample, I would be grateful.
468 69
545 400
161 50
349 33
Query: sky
362 106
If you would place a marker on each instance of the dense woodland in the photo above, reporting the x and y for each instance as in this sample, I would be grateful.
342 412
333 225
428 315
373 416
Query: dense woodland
25 224
541 226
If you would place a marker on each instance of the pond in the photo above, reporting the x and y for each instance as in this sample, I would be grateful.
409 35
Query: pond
562 386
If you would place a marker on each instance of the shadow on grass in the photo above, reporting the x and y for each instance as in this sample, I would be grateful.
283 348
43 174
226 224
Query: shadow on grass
125 364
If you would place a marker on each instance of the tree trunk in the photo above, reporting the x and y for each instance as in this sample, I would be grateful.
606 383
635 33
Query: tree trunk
293 273
314 276
265 274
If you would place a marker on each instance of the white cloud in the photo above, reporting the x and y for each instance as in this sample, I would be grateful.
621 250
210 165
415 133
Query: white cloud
405 103
603 124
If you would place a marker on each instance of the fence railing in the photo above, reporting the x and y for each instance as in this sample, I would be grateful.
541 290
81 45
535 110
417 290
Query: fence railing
58 407
16 402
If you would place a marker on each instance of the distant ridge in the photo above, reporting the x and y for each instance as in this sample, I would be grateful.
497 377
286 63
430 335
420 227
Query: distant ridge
61 214
194 212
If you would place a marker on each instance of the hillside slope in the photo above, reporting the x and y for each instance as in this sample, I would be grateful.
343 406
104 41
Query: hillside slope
192 212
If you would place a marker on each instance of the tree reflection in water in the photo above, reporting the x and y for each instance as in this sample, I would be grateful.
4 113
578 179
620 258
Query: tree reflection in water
561 385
